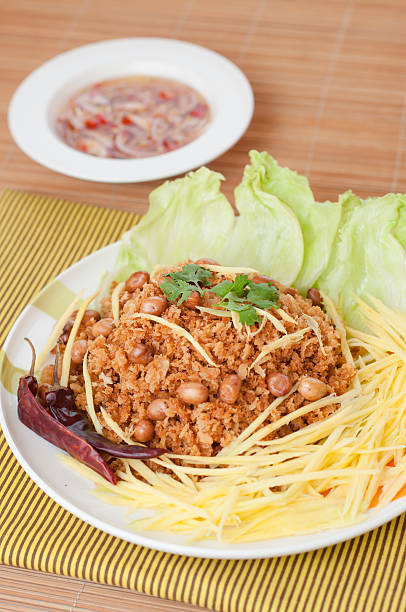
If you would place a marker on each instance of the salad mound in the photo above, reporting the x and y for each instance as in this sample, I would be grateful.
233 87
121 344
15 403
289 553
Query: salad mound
161 390
278 414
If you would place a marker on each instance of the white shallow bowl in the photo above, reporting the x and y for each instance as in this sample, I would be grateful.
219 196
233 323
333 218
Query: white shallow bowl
73 491
38 99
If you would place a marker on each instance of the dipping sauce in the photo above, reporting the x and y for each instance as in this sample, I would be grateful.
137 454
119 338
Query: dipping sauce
133 117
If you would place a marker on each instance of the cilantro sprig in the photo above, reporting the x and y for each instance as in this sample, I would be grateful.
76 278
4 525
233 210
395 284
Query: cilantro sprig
180 285
243 295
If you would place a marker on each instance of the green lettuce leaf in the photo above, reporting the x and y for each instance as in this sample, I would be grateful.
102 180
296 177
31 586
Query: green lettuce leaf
318 220
187 217
267 234
348 248
368 256
399 230
191 218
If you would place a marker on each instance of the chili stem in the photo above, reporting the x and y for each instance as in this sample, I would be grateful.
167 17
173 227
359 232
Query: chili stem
31 372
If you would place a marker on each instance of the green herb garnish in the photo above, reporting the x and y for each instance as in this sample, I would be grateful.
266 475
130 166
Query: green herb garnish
243 296
240 296
180 285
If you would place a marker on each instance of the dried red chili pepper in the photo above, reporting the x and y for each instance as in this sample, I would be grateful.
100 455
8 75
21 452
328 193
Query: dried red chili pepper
61 404
75 439
34 416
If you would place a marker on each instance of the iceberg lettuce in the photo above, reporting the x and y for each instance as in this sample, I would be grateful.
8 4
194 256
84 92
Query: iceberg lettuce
267 234
318 220
368 256
187 217
348 248
191 218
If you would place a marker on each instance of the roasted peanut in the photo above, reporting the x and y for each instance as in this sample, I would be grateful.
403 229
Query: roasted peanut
193 300
230 388
64 337
136 280
207 261
192 392
278 384
261 278
69 323
102 327
79 348
157 409
154 305
144 431
42 389
47 375
312 389
141 354
314 295
88 315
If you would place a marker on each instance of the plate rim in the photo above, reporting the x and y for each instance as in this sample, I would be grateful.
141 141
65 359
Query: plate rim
294 545
182 160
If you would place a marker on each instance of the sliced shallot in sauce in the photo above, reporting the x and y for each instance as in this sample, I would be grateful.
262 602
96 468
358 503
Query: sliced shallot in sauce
133 117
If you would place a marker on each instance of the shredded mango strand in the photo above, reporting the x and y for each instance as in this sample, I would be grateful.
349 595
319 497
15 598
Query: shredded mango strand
328 474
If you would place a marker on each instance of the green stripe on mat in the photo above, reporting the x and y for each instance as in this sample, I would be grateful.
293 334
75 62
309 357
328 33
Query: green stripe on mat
364 574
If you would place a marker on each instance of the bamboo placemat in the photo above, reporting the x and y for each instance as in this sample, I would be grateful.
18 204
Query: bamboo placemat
367 573
329 80
26 590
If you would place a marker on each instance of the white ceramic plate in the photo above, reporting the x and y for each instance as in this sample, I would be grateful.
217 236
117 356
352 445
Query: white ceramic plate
36 102
72 491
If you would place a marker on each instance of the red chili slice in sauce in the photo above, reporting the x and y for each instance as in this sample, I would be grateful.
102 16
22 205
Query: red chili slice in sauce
133 117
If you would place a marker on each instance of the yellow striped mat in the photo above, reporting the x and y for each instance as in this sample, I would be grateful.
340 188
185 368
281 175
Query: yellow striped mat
39 237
